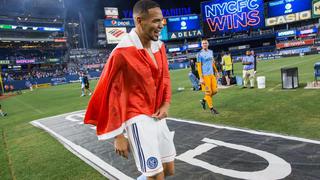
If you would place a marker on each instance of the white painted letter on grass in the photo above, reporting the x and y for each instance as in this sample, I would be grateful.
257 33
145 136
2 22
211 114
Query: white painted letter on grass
277 168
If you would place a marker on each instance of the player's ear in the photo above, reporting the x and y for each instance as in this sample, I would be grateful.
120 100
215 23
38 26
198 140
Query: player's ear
138 20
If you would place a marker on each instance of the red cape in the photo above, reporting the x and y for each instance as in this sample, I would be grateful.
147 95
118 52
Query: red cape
130 85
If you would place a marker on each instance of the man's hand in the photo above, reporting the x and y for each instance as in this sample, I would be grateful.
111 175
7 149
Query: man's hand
218 75
121 146
162 112
201 81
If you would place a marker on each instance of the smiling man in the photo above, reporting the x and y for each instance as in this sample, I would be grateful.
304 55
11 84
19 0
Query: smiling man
133 95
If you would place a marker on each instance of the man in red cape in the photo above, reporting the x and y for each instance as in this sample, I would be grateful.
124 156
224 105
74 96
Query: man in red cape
133 96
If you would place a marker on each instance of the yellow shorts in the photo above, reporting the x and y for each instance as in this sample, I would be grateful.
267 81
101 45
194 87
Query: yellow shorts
210 84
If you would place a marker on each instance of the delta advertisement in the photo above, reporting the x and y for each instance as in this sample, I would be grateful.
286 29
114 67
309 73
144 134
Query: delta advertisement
288 11
220 16
184 27
115 34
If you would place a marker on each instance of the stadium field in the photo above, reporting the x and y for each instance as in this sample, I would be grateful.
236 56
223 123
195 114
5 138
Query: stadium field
27 152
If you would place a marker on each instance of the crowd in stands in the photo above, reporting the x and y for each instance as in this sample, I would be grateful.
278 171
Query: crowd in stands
87 60
34 73
93 62
38 55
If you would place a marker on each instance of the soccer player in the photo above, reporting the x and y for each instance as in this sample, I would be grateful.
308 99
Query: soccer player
208 74
81 78
248 70
86 84
227 66
133 95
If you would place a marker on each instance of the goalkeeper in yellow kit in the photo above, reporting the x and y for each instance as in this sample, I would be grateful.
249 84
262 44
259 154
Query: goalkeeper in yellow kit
208 75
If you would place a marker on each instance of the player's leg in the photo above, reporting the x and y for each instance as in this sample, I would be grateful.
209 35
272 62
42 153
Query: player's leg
82 90
214 90
227 76
245 78
168 168
251 77
214 85
144 145
166 147
208 91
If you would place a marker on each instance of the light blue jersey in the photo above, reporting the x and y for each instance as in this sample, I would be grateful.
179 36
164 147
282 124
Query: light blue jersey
81 80
205 57
248 59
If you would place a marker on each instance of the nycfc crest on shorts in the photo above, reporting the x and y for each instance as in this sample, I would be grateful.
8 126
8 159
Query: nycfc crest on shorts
152 162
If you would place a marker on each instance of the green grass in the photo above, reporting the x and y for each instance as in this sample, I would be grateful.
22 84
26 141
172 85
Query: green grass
27 152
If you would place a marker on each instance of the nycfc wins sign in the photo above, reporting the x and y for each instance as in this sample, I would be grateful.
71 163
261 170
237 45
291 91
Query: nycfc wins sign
221 16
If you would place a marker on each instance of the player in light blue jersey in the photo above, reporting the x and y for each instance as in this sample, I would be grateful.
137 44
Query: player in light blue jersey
208 74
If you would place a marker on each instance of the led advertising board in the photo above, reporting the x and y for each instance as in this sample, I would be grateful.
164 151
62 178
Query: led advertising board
25 61
115 34
284 7
183 23
118 23
182 27
295 43
20 27
308 31
111 12
285 19
286 33
220 16
4 62
316 8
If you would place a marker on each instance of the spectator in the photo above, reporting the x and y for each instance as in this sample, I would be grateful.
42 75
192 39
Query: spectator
227 64
248 70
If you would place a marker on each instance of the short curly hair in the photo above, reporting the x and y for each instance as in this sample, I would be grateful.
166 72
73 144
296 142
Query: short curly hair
142 6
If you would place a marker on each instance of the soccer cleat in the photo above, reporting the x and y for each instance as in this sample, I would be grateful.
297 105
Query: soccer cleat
214 111
90 94
203 104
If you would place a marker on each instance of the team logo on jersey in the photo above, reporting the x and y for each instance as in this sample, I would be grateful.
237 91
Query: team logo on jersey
152 163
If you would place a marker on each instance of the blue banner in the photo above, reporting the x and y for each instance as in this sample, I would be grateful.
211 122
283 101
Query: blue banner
118 23
53 29
286 33
308 31
220 16
183 23
284 7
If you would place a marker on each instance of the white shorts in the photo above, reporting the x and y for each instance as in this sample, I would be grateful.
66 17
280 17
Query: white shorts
151 144
82 86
